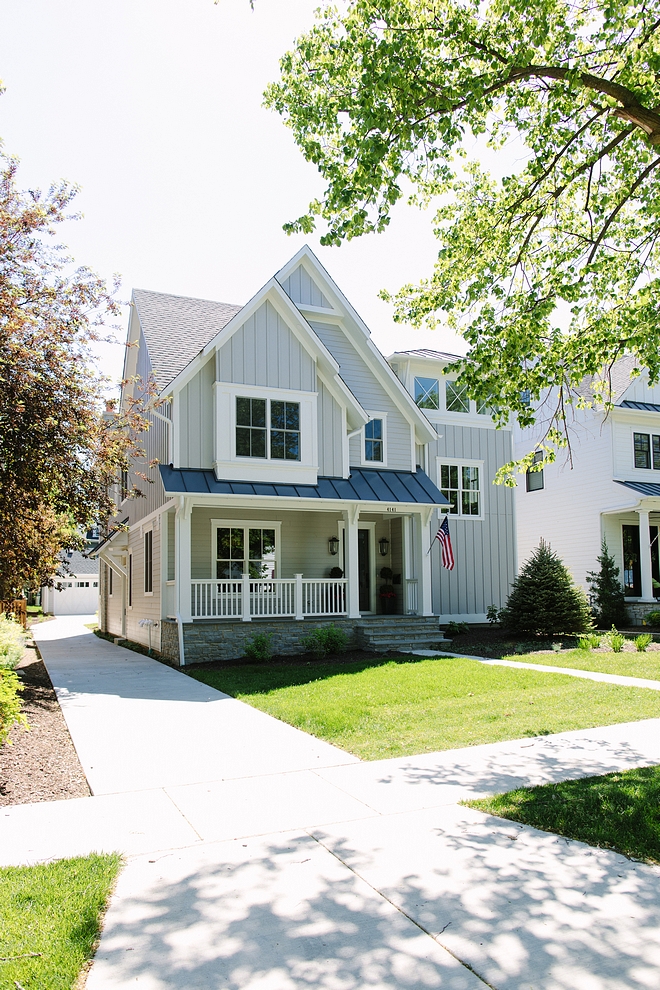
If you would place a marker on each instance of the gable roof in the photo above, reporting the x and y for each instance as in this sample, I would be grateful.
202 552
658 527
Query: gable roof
177 328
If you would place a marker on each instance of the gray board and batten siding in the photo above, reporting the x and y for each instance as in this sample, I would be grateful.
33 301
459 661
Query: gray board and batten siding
485 550
301 288
196 414
371 395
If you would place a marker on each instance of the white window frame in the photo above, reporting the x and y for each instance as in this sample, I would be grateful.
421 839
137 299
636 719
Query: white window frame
429 378
461 463
363 450
471 409
111 581
228 464
147 594
245 524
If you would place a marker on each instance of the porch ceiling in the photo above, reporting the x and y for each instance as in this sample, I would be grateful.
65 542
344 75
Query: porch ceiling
362 485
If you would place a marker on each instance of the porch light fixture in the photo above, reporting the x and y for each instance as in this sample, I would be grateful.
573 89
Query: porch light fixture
384 546
333 546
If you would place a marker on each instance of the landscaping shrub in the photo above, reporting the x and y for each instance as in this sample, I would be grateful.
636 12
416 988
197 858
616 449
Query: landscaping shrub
653 618
457 628
556 647
616 640
641 642
12 642
326 640
259 647
544 599
10 704
493 614
589 642
608 600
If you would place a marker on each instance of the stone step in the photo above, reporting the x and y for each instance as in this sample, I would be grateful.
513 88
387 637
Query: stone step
403 640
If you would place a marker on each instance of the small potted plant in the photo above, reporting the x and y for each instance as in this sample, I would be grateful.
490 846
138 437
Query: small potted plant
386 592
336 572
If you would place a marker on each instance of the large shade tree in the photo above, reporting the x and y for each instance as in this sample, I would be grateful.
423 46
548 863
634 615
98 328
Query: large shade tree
551 272
60 456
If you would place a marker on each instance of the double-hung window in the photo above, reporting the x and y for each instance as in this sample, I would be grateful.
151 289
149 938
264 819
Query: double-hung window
534 479
267 428
646 450
374 441
460 484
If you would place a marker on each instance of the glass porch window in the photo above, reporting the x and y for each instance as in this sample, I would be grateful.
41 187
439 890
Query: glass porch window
456 397
232 544
373 440
427 393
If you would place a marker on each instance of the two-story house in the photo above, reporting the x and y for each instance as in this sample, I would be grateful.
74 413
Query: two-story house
611 491
291 476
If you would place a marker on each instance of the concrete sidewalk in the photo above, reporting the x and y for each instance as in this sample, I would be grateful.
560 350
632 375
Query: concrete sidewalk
259 857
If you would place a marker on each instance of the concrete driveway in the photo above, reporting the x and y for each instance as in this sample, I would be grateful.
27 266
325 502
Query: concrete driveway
261 858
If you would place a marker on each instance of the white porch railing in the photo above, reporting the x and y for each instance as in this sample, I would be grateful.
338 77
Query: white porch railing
324 597
411 596
246 598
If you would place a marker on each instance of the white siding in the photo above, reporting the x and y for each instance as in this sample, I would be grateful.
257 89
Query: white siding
195 410
264 351
371 394
331 434
301 288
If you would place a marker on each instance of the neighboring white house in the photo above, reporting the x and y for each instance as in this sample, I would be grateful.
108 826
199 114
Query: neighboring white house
612 491
76 593
294 467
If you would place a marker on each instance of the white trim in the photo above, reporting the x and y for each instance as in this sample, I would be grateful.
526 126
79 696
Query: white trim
170 504
461 462
371 526
229 465
363 461
246 524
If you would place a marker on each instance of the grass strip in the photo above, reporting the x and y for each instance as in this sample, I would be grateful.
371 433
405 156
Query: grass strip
629 664
50 919
619 811
378 709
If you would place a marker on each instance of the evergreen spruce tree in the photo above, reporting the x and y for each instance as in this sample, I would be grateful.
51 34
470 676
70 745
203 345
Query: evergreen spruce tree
609 603
544 598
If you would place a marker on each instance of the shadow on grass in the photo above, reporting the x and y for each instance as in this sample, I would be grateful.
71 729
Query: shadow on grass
619 811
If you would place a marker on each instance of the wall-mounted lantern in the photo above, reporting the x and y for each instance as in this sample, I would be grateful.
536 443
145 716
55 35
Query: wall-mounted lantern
384 547
333 546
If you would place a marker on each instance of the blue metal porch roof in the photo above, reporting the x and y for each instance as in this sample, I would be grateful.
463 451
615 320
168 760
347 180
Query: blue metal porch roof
642 406
641 487
363 485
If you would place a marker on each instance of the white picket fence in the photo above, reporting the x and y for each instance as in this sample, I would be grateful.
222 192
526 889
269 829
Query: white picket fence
247 598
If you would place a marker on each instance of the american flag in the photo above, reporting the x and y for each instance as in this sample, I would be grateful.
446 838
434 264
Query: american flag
445 544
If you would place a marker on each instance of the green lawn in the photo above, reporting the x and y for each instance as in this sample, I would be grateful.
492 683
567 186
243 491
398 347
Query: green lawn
619 811
385 708
50 915
627 663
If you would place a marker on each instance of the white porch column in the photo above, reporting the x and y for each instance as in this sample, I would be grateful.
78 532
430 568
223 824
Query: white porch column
351 517
182 550
645 555
422 540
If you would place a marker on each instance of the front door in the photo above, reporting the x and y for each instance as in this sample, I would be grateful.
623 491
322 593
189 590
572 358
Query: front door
364 569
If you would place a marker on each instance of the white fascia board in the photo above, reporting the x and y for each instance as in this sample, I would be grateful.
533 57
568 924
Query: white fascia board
362 341
645 417
272 292
271 502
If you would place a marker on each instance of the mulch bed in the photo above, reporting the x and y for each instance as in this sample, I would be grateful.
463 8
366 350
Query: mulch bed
42 764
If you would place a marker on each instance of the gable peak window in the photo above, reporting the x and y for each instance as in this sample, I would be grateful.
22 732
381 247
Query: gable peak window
427 393
373 441
268 428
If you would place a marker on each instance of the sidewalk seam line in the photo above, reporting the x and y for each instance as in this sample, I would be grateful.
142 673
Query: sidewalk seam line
396 907
185 818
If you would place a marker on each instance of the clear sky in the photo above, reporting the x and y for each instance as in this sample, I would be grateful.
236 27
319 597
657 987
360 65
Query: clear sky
154 108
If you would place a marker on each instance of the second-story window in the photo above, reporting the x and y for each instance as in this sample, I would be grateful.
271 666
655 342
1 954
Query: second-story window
457 399
427 393
459 483
534 479
267 428
373 440
647 450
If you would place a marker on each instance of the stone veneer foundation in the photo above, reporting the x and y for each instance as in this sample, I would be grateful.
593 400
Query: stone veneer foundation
637 611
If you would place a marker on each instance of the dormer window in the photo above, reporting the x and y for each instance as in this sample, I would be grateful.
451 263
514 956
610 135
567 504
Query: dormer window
373 441
427 393
267 428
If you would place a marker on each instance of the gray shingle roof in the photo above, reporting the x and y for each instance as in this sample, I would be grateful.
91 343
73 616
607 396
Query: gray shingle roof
78 564
620 377
176 328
